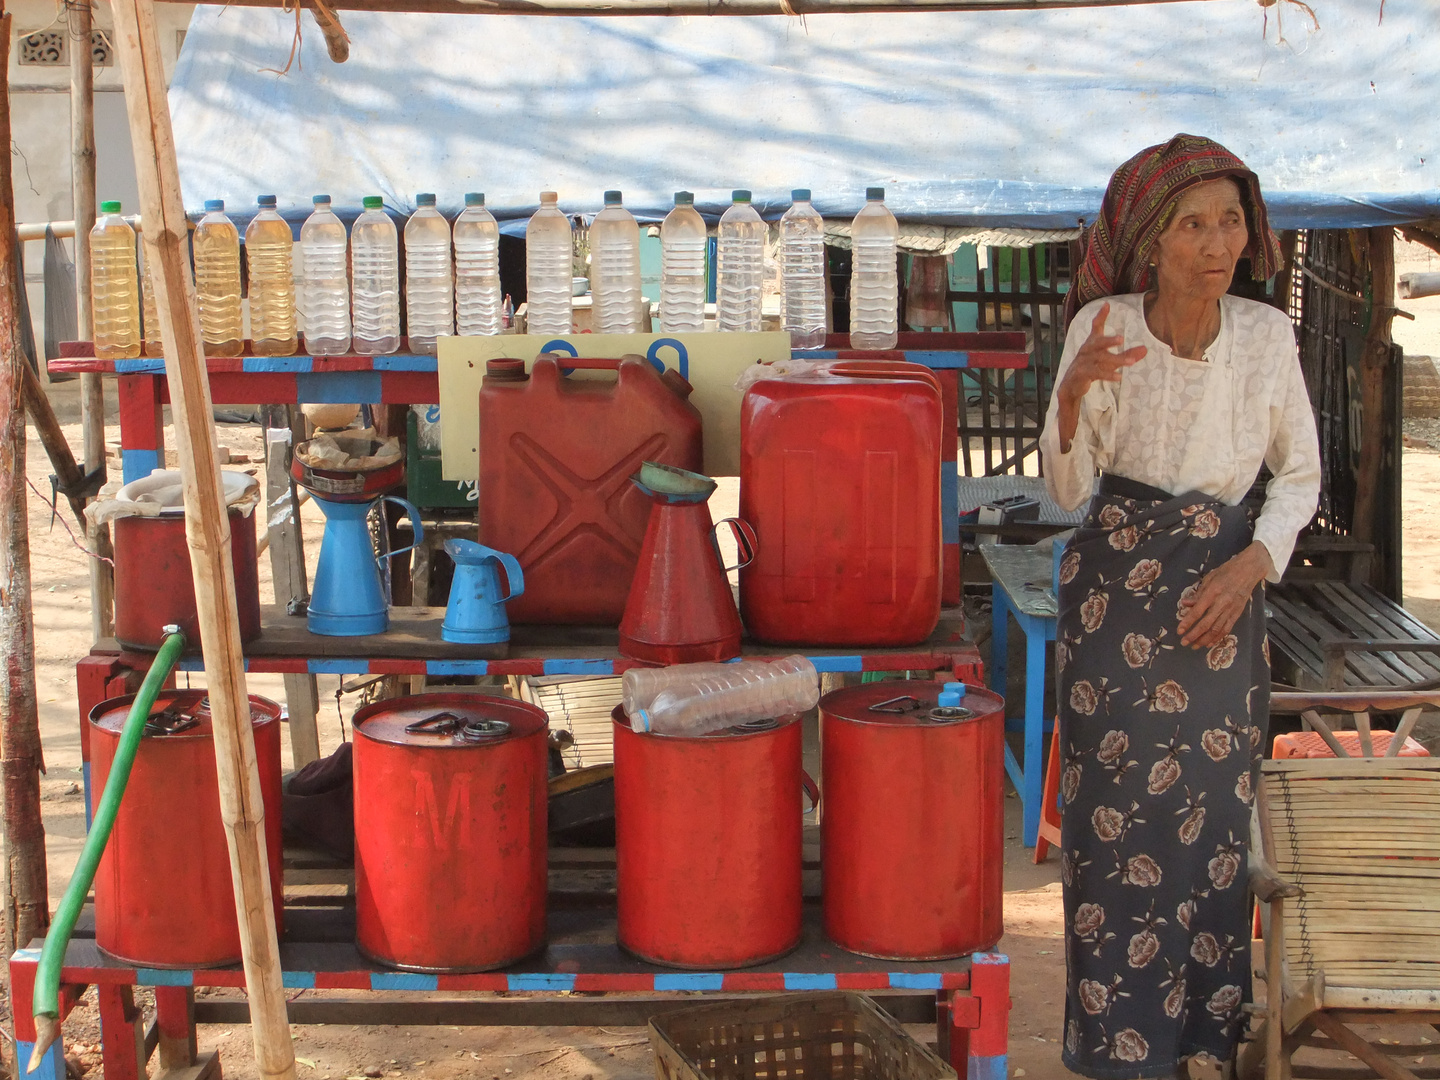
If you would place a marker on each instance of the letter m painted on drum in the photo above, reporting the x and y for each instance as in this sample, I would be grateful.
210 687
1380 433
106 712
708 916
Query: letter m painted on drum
430 830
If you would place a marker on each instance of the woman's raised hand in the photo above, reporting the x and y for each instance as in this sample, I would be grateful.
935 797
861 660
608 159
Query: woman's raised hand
1097 361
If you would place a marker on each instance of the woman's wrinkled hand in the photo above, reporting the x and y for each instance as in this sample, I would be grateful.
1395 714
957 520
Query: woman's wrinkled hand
1222 596
1097 361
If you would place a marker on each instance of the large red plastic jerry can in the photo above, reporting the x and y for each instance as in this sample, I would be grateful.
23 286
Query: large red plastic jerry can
163 892
707 844
912 828
556 457
840 478
450 836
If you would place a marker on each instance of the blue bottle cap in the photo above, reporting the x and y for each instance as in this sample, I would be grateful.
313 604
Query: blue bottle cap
951 694
612 198
875 194
800 194
265 200
740 195
320 199
214 205
474 198
425 198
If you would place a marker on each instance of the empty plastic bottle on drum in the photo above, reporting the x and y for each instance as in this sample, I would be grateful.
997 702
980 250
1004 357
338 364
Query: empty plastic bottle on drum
326 294
802 254
477 270
734 694
741 253
429 298
874 287
114 289
269 248
375 268
682 268
549 260
217 281
615 268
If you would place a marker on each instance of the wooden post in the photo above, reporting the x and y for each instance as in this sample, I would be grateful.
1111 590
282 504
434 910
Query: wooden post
22 837
207 529
1374 361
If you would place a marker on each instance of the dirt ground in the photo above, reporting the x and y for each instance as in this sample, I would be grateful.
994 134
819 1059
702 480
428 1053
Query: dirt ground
1032 901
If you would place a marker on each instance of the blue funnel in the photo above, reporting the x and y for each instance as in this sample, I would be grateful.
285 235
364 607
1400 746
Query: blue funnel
348 598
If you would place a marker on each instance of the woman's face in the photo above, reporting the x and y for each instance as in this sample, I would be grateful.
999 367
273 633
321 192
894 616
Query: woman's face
1196 254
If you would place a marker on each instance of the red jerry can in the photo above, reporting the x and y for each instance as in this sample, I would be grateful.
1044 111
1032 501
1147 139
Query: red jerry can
707 844
556 457
163 892
912 829
840 478
450 839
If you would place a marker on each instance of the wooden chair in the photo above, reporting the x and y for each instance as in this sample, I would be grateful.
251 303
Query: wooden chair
1346 854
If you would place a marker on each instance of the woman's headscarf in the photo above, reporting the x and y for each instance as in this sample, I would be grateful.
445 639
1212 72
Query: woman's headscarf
1137 208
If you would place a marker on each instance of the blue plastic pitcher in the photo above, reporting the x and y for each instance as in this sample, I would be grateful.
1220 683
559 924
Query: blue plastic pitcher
475 614
348 599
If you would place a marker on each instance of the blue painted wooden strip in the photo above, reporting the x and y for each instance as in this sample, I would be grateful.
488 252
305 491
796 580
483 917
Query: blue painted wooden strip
339 387
907 980
138 464
987 1068
297 980
814 354
989 958
457 667
689 982
261 365
579 667
837 663
950 502
149 365
938 358
406 363
24 955
156 977
802 981
541 981
52 1064
1012 766
338 667
403 980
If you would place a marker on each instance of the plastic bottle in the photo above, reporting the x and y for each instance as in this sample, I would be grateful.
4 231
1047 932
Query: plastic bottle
217 282
802 254
549 260
735 694
154 341
375 268
114 289
615 268
478 301
269 249
874 287
682 268
429 287
741 253
327 286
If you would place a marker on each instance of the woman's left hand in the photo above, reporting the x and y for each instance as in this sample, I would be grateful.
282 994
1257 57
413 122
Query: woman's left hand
1222 597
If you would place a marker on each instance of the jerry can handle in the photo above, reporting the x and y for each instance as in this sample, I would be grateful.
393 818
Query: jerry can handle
414 515
682 356
745 540
812 789
514 576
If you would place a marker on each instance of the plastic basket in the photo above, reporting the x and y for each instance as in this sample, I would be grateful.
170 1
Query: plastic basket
814 1036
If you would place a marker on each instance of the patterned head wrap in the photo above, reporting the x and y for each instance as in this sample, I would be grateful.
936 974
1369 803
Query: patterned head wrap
1137 207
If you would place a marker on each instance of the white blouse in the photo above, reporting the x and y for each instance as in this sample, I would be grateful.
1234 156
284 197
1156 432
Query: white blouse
1197 425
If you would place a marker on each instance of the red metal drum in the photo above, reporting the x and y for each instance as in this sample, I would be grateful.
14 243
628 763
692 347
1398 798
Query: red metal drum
450 841
912 823
154 586
707 844
163 893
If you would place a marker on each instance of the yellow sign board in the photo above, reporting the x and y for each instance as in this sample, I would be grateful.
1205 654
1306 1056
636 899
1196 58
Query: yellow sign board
712 363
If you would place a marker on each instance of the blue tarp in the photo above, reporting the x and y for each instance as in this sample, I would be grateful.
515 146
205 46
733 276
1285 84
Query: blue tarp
1001 119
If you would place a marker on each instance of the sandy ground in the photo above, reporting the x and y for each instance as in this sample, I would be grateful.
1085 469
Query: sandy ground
1032 902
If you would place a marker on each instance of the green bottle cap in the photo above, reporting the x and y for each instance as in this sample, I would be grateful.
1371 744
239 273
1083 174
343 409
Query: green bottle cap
612 198
875 194
111 206
684 198
425 198
740 195
373 202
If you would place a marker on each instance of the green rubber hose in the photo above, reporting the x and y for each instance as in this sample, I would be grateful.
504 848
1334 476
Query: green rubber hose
46 1003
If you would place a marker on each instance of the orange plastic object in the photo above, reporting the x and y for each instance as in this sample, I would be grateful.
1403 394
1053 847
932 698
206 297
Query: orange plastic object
840 478
1309 744
556 457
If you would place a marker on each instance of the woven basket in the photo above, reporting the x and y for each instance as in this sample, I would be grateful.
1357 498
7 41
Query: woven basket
814 1036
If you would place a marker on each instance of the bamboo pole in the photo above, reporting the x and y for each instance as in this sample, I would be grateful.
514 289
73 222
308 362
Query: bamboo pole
25 897
207 529
694 7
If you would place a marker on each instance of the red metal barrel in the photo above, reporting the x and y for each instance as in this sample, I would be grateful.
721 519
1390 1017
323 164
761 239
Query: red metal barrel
707 844
912 825
163 893
450 843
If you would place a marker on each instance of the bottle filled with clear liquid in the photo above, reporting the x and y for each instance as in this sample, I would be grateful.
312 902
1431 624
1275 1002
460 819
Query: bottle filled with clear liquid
217 281
740 271
802 255
874 284
682 268
269 250
478 301
717 696
114 287
429 299
549 261
375 270
615 269
323 247
150 328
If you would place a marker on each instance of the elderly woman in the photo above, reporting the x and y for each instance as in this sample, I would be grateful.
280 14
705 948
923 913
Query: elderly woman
1177 393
